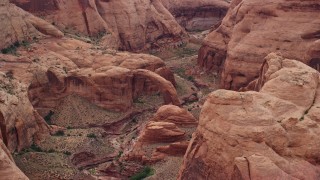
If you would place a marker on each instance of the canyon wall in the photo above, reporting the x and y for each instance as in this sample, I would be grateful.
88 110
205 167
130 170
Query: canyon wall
269 134
18 25
124 24
197 15
252 29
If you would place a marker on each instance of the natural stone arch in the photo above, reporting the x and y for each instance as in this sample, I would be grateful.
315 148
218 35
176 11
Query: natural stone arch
166 88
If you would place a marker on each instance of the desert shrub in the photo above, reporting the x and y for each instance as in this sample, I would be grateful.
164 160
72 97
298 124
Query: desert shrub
146 172
47 118
91 135
59 133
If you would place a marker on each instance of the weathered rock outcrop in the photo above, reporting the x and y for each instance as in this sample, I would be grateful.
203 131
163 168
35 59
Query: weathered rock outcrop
270 134
197 15
20 124
129 25
18 25
109 79
167 127
252 29
8 169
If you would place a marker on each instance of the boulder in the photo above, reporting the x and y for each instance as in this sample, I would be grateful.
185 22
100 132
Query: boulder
174 114
161 132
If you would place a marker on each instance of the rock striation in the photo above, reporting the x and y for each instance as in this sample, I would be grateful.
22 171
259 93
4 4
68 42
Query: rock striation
197 15
269 134
127 25
252 29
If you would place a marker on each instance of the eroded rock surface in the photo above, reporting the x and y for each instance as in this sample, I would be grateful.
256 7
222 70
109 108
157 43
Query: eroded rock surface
18 25
252 29
127 25
270 134
165 134
197 15
8 168
20 123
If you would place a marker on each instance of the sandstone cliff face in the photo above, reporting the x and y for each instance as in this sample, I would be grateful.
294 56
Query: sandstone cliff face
8 169
197 15
18 25
254 28
127 25
20 124
270 134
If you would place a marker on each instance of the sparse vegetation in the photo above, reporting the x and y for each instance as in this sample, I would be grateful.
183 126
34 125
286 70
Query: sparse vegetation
119 155
47 118
13 48
59 133
51 151
9 74
32 148
146 172
67 153
91 135
138 100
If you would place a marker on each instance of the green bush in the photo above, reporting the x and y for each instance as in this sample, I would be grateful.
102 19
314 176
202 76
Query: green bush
51 151
146 172
47 118
35 148
59 133
91 135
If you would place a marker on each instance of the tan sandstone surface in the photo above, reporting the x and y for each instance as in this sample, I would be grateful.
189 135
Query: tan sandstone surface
269 134
127 25
252 29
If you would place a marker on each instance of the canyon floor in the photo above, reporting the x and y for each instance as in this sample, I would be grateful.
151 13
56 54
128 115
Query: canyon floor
89 138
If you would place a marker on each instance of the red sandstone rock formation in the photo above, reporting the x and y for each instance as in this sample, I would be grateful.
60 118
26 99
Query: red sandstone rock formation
174 114
20 124
197 15
129 25
252 29
8 168
110 80
165 128
18 25
270 134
